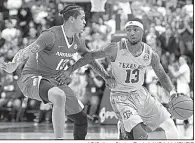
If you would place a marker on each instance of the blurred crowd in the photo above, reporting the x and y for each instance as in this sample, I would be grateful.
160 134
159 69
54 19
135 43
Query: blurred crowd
168 30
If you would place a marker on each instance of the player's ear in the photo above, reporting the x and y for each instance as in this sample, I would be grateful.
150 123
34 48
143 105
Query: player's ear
71 19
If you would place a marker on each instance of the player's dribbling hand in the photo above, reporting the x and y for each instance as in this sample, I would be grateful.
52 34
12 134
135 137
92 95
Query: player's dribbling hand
110 82
174 95
9 67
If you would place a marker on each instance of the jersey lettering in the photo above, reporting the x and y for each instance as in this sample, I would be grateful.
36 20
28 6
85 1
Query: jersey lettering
134 72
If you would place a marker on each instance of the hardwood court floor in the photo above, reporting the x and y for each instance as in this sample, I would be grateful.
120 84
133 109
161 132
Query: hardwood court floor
30 130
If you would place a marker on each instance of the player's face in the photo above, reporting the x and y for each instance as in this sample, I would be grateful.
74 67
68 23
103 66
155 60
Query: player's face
134 34
79 22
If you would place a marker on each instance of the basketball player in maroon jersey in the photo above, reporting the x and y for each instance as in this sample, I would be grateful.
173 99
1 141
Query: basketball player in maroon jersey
46 58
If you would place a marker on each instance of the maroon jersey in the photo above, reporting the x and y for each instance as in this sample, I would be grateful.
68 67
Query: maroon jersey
57 53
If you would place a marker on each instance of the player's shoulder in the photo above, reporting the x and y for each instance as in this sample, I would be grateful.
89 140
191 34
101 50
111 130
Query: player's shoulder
147 46
55 29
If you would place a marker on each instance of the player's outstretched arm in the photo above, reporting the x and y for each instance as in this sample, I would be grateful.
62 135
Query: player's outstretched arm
161 74
22 55
89 58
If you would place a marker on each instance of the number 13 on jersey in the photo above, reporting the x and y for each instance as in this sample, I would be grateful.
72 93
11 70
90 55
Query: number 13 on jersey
129 78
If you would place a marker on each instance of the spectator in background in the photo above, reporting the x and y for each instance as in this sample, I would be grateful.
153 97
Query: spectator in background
10 33
168 41
2 22
111 23
136 7
158 26
10 97
13 7
24 17
174 65
186 36
2 41
32 35
38 12
97 41
182 75
4 12
160 7
86 34
151 39
104 29
188 8
58 20
78 83
93 95
24 43
9 55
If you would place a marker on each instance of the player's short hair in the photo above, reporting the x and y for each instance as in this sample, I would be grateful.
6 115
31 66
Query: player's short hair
71 10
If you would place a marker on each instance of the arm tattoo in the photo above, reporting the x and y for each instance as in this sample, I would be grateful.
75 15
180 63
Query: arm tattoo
20 56
99 69
23 54
163 77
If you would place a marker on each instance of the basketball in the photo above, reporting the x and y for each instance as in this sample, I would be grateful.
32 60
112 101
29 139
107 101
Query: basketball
181 107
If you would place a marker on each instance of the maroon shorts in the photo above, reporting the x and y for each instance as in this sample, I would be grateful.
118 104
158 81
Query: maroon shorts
36 87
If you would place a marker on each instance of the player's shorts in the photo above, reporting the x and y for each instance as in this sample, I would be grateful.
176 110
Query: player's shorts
29 84
138 106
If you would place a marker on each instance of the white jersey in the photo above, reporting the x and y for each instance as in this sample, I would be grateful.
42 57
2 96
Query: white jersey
129 71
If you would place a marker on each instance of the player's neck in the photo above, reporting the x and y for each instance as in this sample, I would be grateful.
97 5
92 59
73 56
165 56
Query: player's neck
68 30
136 49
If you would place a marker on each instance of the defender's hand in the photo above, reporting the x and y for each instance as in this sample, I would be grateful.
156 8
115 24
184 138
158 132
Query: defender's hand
110 82
64 81
9 67
63 77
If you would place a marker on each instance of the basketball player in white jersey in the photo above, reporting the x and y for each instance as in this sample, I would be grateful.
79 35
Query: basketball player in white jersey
136 109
